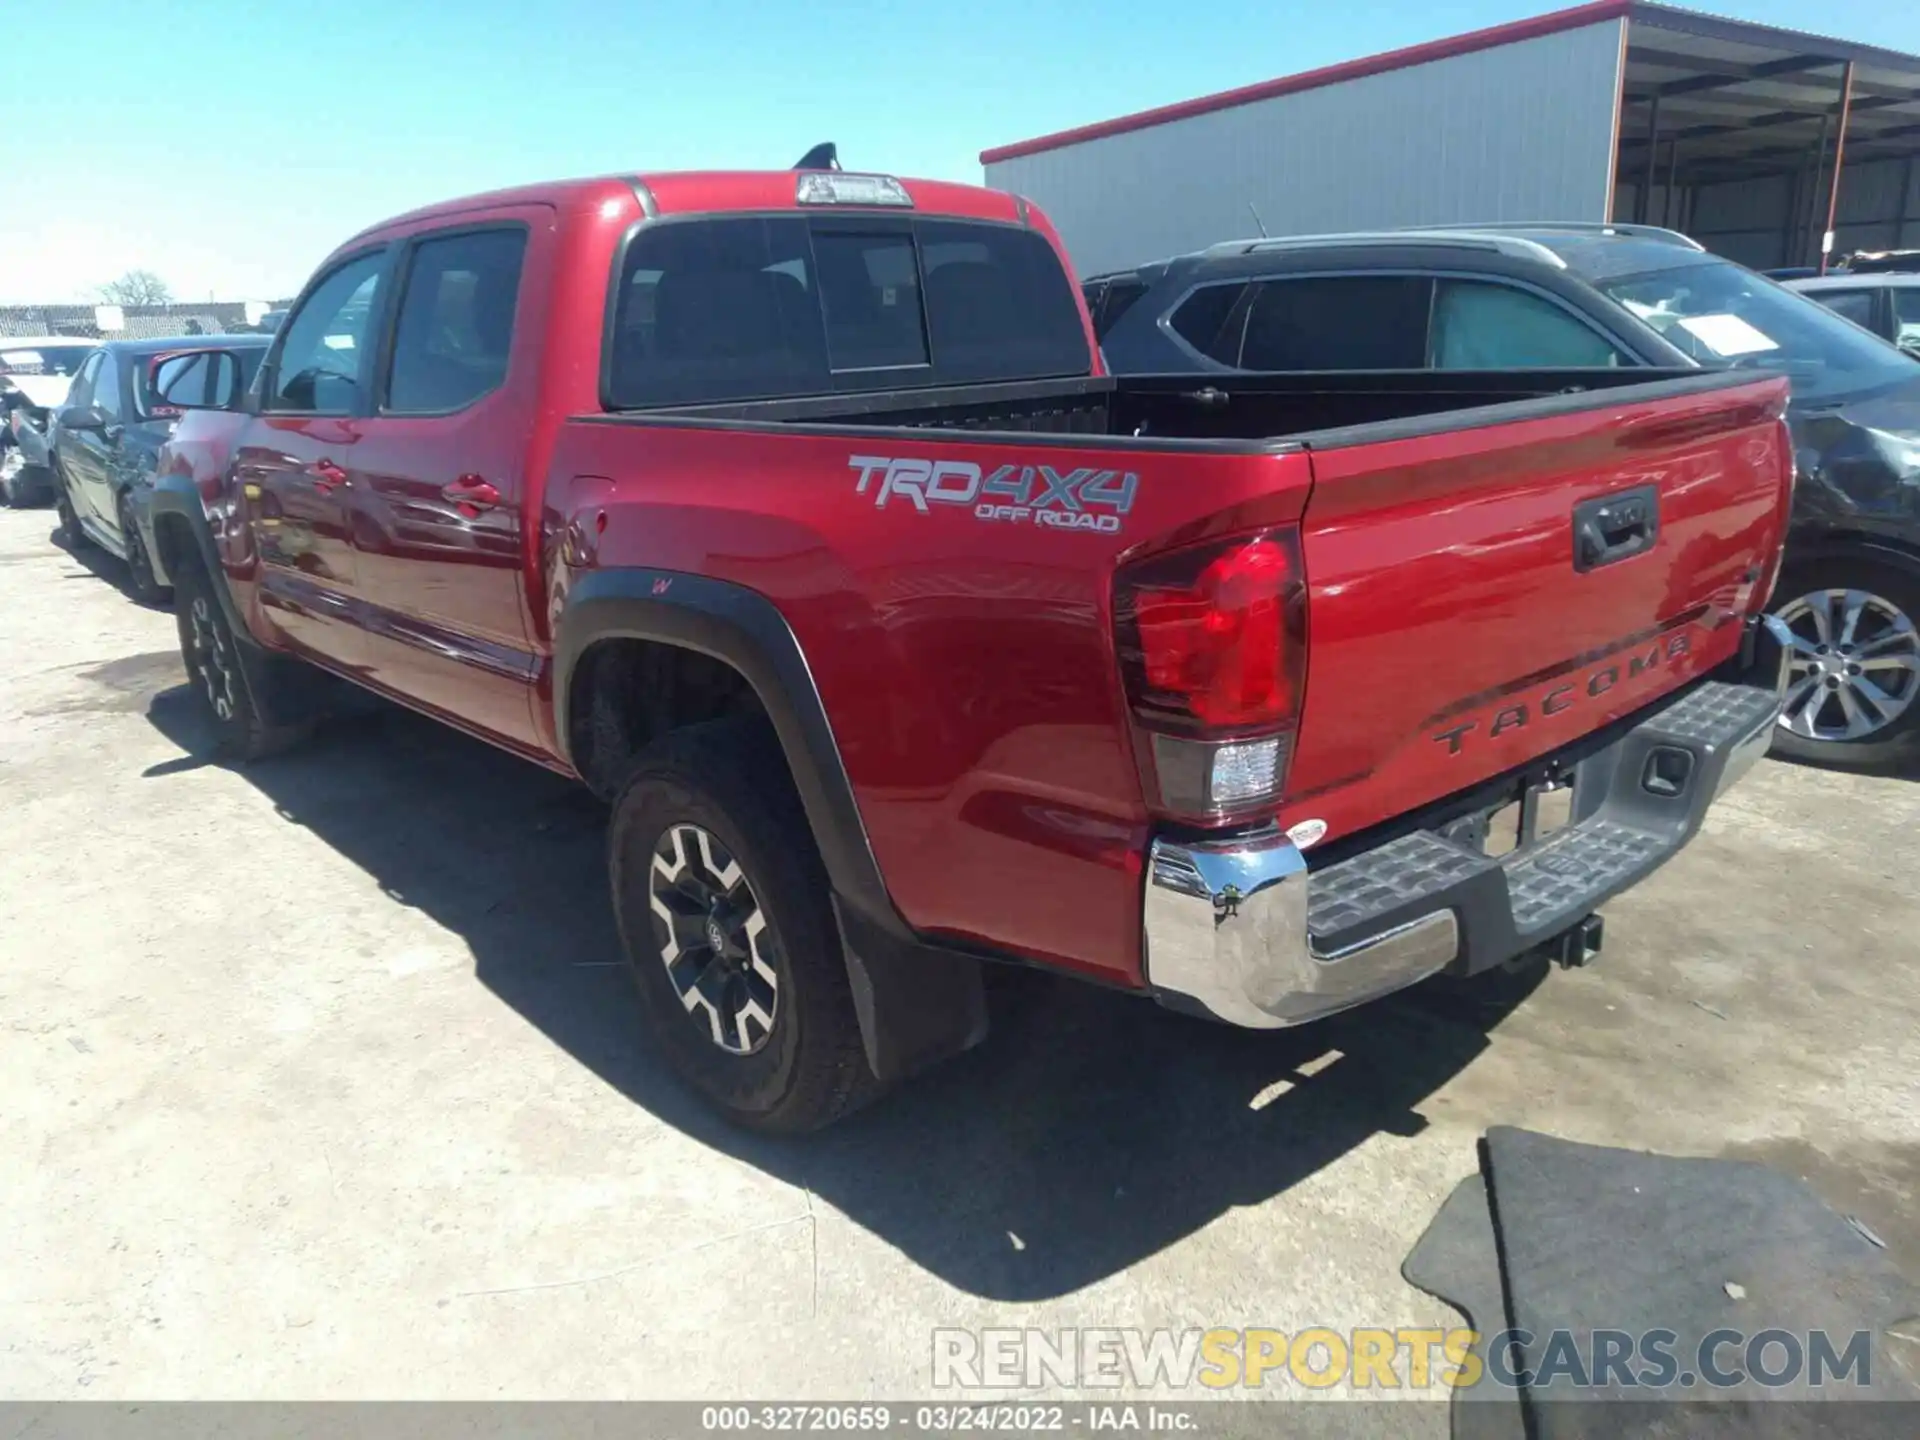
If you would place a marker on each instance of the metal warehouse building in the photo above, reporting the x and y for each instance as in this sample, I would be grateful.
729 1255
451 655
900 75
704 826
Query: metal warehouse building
1756 141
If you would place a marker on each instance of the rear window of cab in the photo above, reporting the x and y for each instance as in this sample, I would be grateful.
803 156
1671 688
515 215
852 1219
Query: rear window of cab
769 307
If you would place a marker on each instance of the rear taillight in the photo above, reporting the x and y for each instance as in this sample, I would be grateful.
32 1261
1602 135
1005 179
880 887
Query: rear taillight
1212 644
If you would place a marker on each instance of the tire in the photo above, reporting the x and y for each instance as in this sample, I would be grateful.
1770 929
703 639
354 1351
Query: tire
140 577
1853 689
23 487
228 677
764 1028
70 533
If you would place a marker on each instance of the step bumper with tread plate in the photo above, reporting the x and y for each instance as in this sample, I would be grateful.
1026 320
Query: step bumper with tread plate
1242 930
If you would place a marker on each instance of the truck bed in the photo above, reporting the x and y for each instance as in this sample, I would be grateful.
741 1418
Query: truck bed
1451 638
1265 410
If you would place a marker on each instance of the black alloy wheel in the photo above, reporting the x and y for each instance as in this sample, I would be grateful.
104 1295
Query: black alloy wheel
724 913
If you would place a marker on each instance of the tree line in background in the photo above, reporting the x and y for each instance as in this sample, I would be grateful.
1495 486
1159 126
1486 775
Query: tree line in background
137 287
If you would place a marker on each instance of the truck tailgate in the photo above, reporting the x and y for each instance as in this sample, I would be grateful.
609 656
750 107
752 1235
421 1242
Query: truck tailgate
1481 597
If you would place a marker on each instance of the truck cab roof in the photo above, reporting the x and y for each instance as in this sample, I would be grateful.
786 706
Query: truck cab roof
686 192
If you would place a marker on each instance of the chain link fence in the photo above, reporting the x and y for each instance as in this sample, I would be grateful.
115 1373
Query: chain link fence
143 322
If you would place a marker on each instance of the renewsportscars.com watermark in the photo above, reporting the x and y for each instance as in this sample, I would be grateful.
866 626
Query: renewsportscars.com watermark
1375 1360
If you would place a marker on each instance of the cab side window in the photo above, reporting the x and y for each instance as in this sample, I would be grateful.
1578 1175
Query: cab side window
324 343
455 331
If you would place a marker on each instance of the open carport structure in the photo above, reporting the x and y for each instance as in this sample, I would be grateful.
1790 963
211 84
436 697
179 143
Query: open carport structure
1767 145
1760 141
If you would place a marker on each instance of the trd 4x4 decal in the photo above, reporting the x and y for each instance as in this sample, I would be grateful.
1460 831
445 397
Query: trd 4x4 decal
1082 499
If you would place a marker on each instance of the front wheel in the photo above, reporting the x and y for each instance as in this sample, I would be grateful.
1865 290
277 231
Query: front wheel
1853 677
70 534
722 904
230 685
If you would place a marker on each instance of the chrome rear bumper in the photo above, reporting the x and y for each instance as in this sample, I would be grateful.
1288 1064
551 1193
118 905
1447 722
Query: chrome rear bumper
1240 930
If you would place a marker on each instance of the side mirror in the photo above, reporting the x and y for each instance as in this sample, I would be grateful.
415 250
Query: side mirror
192 380
82 417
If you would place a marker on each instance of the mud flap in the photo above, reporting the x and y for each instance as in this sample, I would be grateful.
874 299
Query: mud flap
917 1005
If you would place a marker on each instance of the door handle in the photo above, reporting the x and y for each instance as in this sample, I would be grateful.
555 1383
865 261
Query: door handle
470 494
328 477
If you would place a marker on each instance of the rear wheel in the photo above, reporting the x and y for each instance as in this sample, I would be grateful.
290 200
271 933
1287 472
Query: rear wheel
230 682
145 586
722 903
1853 685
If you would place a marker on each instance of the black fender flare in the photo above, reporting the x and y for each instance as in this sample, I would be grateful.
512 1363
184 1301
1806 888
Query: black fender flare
177 499
917 1002
284 689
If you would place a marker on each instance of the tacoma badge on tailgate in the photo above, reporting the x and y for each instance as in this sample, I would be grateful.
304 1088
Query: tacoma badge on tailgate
1063 502
1568 693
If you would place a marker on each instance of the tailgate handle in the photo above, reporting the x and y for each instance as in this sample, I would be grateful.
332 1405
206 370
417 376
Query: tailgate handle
1615 527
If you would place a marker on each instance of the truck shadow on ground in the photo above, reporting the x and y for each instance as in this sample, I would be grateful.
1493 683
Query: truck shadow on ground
1091 1130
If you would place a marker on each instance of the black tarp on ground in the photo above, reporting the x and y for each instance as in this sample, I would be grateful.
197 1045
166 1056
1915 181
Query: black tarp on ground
1555 1238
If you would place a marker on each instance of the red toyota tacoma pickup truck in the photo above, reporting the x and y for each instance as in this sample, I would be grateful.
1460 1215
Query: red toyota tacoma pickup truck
793 513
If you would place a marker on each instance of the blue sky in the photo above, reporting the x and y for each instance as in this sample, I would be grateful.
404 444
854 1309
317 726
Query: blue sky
229 144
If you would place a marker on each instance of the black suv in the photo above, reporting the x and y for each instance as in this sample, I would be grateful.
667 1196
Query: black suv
1568 297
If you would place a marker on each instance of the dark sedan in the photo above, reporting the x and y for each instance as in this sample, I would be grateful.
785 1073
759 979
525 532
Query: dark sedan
106 438
1506 297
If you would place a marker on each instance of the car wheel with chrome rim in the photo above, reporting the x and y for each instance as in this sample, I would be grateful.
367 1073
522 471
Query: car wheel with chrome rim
1853 683
721 900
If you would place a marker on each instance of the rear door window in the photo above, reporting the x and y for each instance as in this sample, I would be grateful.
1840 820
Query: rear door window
455 330
1339 322
761 308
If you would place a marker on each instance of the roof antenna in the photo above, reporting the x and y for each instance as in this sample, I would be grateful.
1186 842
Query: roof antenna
824 156
1257 220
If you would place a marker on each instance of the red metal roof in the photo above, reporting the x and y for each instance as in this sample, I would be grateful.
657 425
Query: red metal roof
1487 39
